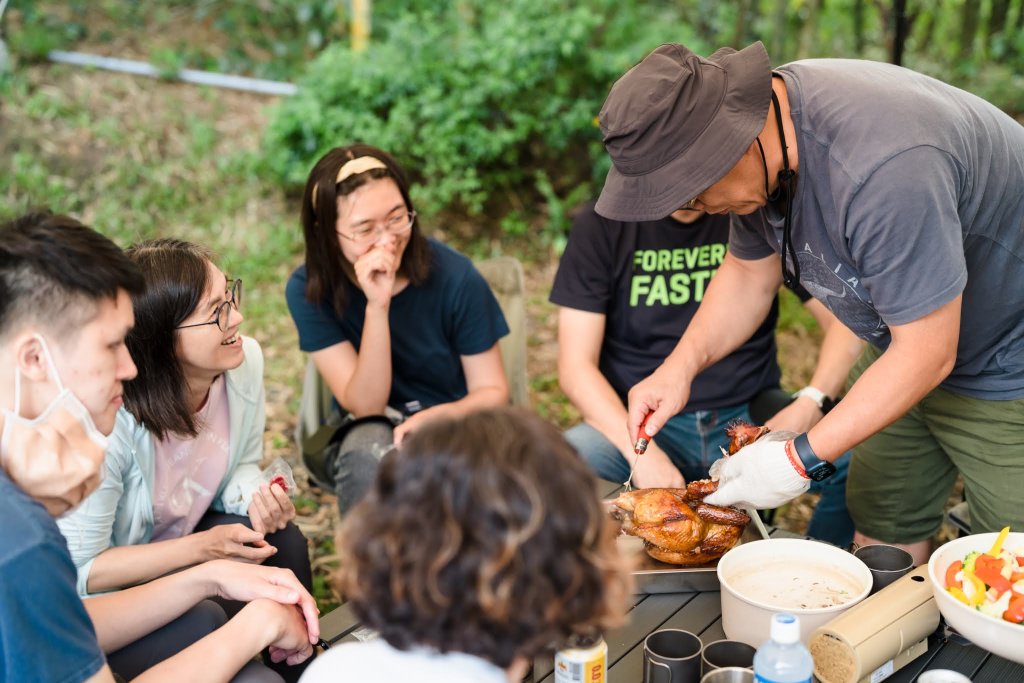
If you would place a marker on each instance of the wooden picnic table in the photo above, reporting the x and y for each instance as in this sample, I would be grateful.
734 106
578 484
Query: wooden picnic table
701 613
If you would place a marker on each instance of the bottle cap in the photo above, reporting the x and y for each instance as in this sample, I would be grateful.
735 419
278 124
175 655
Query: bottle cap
785 628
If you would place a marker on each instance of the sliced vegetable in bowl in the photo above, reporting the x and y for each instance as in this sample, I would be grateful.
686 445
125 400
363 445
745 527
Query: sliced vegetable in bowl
982 623
992 582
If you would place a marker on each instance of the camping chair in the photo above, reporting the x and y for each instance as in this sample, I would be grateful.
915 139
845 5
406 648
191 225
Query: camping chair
505 276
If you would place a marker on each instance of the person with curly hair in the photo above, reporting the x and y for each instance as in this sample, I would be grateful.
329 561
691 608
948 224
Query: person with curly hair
481 544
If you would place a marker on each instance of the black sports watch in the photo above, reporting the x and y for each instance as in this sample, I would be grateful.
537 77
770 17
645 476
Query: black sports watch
816 468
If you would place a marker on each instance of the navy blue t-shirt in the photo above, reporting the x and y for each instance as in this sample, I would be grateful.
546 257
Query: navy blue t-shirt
648 278
452 314
45 632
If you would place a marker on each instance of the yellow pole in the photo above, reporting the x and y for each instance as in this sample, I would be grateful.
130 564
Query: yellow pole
361 11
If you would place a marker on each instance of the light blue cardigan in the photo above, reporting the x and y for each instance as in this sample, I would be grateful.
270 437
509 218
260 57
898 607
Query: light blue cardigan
120 511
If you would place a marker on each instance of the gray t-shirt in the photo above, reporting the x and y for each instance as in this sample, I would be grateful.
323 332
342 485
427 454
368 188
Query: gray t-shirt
910 191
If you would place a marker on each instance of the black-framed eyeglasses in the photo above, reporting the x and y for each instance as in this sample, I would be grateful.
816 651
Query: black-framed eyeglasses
395 225
223 316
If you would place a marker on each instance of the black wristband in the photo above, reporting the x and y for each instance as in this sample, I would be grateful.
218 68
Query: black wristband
816 468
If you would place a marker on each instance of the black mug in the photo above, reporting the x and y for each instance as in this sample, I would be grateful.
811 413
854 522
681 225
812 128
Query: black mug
723 653
672 656
886 563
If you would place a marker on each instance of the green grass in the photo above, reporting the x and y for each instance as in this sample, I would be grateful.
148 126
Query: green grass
137 159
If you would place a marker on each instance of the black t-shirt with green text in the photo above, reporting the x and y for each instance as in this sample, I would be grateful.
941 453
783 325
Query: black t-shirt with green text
648 278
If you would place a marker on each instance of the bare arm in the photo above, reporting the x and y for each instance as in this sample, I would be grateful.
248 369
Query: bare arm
361 382
839 351
580 334
125 616
486 386
130 565
223 653
922 353
735 304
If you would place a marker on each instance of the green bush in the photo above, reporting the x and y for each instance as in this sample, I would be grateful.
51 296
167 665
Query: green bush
492 109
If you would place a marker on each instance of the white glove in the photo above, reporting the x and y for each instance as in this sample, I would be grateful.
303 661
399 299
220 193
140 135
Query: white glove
759 475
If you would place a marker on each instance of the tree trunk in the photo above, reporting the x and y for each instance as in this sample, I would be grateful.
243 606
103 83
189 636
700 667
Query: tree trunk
899 30
996 22
969 26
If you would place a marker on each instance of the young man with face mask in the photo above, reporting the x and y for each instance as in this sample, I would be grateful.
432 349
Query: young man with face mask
65 309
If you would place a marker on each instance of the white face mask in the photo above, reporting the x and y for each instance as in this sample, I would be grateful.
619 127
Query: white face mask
57 457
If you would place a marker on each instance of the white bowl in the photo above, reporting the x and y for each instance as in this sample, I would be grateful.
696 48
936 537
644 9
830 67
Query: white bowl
747 618
995 635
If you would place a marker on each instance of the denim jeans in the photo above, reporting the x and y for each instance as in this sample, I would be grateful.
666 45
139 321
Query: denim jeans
693 441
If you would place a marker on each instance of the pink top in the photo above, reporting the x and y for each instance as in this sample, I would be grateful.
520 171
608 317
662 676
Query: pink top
188 471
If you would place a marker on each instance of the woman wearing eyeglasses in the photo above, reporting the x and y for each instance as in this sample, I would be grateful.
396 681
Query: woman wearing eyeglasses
182 481
395 322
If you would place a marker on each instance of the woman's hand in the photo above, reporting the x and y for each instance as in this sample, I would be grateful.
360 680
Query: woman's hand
376 271
234 542
417 420
286 633
271 509
246 583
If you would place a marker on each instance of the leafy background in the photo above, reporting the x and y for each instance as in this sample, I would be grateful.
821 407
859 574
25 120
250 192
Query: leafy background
490 104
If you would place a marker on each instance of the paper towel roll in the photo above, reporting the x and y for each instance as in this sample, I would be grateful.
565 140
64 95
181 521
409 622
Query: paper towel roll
875 631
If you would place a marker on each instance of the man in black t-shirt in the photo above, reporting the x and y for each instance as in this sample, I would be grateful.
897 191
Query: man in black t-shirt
626 292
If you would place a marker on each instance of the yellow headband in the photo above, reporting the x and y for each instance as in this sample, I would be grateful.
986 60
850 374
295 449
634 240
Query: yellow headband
353 167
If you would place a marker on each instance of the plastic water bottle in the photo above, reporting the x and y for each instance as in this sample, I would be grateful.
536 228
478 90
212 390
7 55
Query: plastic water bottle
783 659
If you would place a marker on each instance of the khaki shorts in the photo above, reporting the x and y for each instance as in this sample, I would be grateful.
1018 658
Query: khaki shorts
901 478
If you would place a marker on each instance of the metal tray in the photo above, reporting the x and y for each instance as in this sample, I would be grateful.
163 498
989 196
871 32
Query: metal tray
652 576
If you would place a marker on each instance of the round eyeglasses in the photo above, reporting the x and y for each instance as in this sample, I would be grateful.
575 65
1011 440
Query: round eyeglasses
398 224
223 316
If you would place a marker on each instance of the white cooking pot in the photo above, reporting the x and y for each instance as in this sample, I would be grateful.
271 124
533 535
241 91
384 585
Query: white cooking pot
747 612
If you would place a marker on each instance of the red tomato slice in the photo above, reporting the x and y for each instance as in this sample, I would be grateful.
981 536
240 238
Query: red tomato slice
1015 612
951 581
991 576
988 561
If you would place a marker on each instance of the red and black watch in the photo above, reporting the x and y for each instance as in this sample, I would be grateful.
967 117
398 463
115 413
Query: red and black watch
816 468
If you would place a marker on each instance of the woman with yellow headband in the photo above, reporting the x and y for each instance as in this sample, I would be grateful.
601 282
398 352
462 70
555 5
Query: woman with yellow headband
403 329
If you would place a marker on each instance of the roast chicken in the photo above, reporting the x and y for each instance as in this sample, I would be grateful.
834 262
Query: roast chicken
676 525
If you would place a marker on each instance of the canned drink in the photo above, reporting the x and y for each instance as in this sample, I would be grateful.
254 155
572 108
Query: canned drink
583 662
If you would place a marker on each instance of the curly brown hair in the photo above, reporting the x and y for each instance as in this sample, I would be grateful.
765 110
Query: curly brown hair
486 536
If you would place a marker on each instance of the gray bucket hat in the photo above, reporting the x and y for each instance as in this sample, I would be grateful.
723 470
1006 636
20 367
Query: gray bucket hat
676 123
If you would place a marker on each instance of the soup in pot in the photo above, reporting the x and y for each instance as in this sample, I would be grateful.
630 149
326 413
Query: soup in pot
786 584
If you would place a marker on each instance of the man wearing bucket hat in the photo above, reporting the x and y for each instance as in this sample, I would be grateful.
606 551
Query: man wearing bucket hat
898 202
